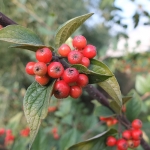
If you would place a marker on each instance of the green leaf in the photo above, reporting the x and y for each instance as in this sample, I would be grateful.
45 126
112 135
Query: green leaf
36 102
66 29
20 35
30 47
142 85
134 106
69 138
95 143
110 85
126 99
94 76
114 105
103 111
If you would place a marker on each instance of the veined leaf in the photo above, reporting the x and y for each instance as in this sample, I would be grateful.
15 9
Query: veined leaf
66 29
110 85
36 102
126 99
30 47
95 143
94 76
20 35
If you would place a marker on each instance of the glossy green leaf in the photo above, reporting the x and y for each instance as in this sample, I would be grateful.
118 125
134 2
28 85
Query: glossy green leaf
30 47
110 85
94 77
103 111
134 106
20 35
126 99
36 102
95 143
68 28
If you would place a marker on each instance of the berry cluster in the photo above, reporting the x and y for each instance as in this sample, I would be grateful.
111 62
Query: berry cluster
69 81
110 121
55 133
130 138
8 136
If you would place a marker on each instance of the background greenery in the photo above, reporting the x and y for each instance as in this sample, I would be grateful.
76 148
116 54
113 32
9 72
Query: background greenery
74 119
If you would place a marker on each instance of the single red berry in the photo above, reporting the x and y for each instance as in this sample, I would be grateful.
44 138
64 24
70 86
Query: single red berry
61 89
114 121
122 144
40 68
70 75
64 50
42 80
29 68
56 136
109 122
123 108
75 57
130 144
102 118
55 69
127 134
89 51
136 134
75 91
82 80
137 124
136 143
111 141
44 55
25 132
54 130
79 42
85 61
52 109
2 131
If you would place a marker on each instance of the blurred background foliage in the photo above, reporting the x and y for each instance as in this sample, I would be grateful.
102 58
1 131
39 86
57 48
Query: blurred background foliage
74 119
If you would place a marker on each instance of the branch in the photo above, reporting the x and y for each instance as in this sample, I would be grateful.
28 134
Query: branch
91 90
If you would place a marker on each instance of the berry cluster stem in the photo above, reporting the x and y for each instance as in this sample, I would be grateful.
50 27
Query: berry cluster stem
95 93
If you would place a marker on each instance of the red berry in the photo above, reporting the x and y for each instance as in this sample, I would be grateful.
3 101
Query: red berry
109 122
122 144
85 61
52 109
42 80
123 108
102 118
54 130
127 135
137 124
114 121
82 80
40 68
89 51
55 69
1 27
44 55
70 75
25 132
136 134
79 42
136 143
61 89
75 91
2 131
111 141
130 144
56 136
64 50
75 57
29 68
